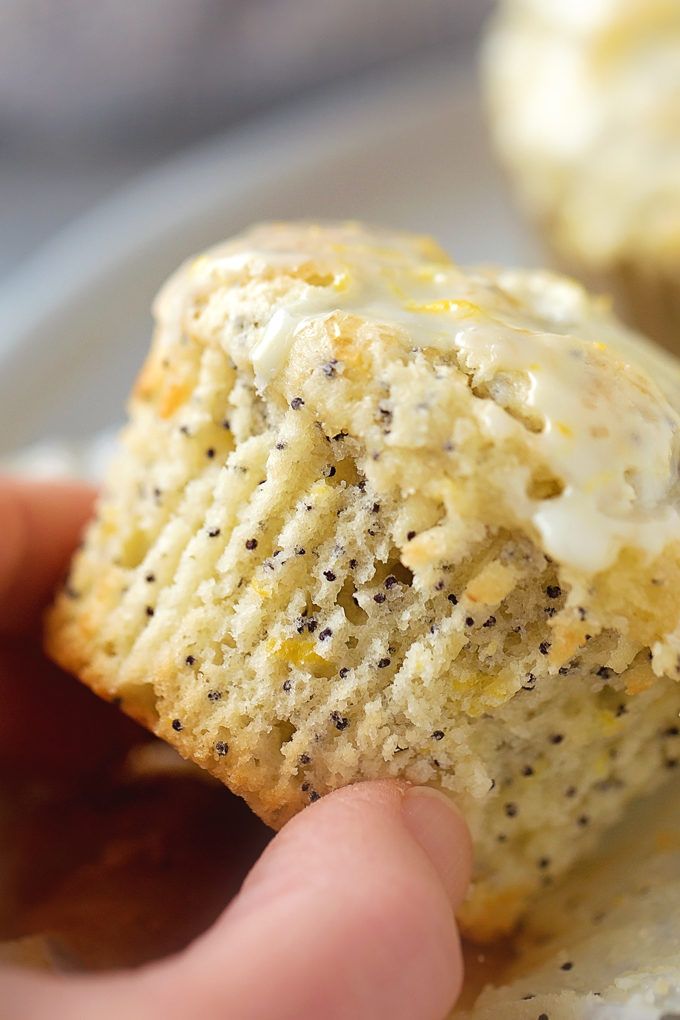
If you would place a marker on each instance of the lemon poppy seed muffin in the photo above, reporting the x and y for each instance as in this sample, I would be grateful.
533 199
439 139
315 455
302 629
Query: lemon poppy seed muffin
378 516
584 102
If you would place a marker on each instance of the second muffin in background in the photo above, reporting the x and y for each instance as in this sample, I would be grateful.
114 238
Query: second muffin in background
584 102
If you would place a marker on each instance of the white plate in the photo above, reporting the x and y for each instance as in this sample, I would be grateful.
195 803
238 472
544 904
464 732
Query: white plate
409 151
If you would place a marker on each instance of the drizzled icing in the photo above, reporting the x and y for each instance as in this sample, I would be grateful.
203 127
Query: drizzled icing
603 427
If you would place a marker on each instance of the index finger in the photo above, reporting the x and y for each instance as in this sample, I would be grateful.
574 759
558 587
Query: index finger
40 525
48 720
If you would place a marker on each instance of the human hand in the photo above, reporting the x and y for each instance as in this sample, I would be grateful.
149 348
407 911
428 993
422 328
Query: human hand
347 914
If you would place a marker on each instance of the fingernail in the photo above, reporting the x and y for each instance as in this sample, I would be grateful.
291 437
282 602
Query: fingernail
438 827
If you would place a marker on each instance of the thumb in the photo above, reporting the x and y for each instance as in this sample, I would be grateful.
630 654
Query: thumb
348 915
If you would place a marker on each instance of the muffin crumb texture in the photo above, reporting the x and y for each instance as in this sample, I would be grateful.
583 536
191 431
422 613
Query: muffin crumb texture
377 516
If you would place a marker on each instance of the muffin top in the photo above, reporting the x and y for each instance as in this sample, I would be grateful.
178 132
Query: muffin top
537 351
585 103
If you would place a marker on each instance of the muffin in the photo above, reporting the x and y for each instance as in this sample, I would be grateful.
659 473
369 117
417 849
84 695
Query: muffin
584 103
375 515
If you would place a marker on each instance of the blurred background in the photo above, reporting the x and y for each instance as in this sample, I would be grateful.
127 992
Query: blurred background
91 93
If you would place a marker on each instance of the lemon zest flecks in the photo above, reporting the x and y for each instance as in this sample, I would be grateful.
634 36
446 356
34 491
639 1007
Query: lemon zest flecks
301 652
